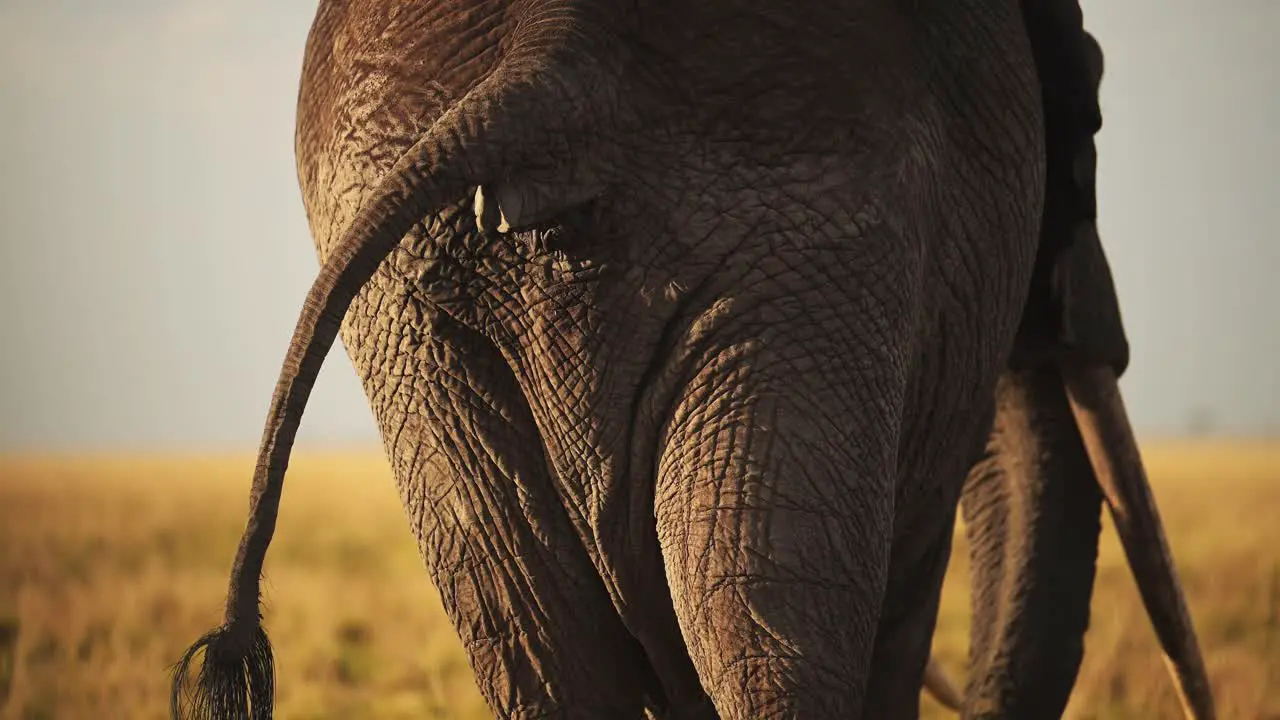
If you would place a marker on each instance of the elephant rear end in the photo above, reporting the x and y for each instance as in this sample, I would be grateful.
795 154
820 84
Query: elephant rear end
661 309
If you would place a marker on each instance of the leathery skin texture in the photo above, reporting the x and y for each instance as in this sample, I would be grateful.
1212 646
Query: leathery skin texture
693 448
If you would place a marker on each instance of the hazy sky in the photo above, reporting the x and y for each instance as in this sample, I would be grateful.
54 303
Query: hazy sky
154 252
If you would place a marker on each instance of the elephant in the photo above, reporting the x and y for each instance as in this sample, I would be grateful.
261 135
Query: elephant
683 325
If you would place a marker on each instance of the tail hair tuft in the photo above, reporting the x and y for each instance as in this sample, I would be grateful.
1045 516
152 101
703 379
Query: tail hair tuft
236 680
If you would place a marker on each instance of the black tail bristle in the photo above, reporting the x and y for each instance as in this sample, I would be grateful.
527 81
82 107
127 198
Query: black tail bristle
235 682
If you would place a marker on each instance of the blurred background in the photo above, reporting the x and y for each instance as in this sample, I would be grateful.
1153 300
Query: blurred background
154 254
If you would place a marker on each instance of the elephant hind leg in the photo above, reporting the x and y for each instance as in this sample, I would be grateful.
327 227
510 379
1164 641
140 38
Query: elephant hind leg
774 521
542 635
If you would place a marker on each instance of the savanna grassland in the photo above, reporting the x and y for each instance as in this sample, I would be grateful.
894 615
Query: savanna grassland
110 567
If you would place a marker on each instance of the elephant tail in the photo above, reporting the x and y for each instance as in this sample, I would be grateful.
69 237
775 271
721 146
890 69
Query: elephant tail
541 106
1100 413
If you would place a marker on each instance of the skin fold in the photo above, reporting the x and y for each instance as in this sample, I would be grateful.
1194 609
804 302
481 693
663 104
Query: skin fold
682 330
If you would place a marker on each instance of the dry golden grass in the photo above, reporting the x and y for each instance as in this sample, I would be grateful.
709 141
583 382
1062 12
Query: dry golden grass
109 567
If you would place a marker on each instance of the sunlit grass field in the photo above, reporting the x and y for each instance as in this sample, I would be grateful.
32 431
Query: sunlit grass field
110 567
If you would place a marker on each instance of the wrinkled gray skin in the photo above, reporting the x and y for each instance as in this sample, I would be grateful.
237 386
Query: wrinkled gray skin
687 335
